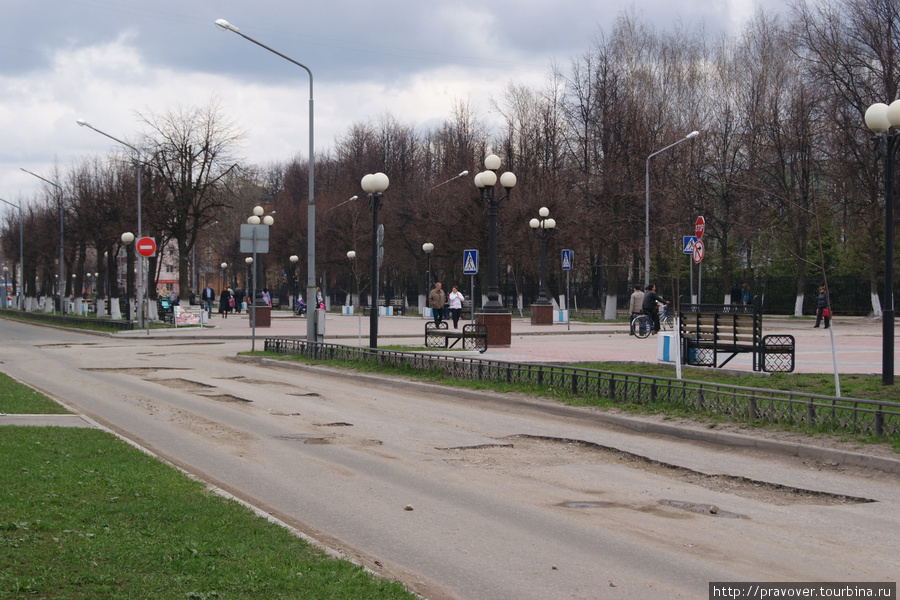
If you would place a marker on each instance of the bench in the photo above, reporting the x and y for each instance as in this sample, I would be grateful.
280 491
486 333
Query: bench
708 330
473 336
397 307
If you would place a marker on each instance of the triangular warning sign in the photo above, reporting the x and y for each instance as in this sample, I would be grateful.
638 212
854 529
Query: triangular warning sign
566 263
470 262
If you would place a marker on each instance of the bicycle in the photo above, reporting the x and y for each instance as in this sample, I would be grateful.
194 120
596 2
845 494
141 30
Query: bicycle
666 321
641 326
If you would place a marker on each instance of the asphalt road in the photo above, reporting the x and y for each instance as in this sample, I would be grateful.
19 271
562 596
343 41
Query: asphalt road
472 495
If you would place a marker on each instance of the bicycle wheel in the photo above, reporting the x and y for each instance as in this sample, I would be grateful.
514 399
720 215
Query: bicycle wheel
642 326
667 323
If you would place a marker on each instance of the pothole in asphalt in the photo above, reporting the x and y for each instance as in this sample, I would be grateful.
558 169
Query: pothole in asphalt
186 385
65 345
306 394
548 451
304 437
476 447
250 380
130 370
703 509
226 398
337 424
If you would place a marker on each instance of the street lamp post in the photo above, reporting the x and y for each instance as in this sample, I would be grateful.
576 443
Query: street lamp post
351 256
493 314
20 294
295 288
143 310
311 206
62 250
374 186
542 229
880 118
128 239
691 135
427 248
485 182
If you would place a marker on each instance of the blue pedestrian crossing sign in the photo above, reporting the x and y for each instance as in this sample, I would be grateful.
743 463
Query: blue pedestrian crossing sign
688 242
470 262
566 260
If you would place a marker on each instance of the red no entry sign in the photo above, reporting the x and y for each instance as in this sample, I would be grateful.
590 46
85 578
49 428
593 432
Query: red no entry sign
699 226
146 246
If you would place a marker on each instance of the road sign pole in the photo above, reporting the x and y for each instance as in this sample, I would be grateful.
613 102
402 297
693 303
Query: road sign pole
472 299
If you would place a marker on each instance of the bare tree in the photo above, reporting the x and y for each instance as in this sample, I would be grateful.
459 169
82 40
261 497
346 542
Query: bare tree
191 150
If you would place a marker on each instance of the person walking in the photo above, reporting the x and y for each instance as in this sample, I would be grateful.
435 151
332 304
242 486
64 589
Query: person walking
650 307
239 300
436 299
822 310
745 294
207 296
456 299
635 304
225 300
266 297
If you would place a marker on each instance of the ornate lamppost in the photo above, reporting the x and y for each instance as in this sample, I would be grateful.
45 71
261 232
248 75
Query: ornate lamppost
880 118
493 314
374 186
543 229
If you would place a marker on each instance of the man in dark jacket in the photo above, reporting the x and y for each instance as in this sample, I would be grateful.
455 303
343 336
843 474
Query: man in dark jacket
650 307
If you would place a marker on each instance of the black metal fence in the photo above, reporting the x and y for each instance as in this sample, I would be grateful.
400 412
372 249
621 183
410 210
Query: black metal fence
763 406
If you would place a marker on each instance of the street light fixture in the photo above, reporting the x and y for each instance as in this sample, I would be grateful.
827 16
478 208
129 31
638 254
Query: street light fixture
311 206
62 250
141 288
374 186
454 178
542 229
20 293
691 135
485 182
880 118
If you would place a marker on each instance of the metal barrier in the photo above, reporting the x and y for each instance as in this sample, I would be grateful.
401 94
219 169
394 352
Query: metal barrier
777 407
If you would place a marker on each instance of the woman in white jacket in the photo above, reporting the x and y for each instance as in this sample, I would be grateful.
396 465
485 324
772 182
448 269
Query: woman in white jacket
455 299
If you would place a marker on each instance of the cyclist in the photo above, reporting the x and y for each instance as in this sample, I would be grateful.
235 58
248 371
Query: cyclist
650 306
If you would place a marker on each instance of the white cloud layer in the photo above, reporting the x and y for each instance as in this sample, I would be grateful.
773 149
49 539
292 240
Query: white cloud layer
107 60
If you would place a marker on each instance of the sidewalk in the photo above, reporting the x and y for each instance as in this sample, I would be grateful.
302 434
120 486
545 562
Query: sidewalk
857 340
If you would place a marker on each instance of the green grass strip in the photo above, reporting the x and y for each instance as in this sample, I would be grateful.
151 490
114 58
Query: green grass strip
85 515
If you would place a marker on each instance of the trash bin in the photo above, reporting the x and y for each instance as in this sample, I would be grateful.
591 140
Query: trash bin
263 315
664 350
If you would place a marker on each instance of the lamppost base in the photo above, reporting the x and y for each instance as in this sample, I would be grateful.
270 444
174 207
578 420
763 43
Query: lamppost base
542 314
499 328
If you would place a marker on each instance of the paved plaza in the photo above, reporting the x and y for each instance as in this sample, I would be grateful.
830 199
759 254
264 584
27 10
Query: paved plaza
854 343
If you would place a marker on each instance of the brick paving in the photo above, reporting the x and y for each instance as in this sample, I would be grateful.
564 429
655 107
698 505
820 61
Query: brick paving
857 340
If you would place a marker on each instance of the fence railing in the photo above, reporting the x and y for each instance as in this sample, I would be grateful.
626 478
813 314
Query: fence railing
753 405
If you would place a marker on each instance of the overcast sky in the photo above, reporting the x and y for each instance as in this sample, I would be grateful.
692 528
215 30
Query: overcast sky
106 60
